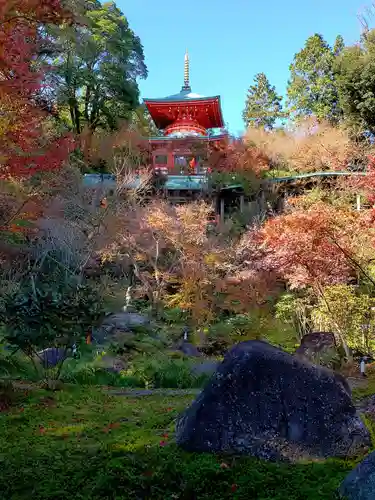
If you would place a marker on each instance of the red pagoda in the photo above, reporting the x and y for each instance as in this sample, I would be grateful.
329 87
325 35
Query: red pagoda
185 119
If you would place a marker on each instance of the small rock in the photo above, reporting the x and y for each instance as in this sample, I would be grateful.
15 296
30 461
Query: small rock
319 348
359 484
52 356
112 364
189 349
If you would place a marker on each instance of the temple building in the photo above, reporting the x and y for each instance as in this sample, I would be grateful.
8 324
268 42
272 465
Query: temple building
190 126
187 122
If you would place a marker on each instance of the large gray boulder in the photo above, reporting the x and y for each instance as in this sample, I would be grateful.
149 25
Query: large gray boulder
267 403
119 322
360 483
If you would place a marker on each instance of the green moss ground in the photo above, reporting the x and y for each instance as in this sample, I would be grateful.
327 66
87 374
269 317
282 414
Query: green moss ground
81 443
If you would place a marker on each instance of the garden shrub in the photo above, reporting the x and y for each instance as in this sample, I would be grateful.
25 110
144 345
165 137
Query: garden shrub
144 371
7 394
166 372
15 365
262 325
41 315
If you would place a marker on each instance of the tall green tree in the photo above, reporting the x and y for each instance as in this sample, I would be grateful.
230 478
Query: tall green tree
355 69
339 45
142 122
312 88
263 104
97 64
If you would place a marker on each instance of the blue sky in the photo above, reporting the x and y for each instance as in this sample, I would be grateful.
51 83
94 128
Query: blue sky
230 41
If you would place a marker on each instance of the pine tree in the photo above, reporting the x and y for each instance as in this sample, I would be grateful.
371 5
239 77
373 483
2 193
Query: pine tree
263 105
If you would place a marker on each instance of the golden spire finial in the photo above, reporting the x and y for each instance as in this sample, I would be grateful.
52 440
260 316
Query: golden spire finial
187 72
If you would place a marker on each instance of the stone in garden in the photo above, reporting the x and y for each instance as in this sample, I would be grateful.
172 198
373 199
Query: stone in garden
189 349
319 348
112 364
359 484
317 341
269 404
52 356
123 322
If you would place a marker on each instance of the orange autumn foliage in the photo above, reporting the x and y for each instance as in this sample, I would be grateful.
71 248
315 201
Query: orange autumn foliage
179 262
315 247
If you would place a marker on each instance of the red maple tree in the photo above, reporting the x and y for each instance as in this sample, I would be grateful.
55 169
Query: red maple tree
312 247
237 156
366 182
23 148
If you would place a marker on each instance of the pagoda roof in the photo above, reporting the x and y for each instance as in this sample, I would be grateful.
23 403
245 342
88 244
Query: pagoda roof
168 138
209 116
204 111
183 96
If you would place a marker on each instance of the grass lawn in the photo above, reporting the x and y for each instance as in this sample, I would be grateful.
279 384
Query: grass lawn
81 443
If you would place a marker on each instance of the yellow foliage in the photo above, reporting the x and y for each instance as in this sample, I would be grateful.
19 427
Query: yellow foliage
211 259
308 148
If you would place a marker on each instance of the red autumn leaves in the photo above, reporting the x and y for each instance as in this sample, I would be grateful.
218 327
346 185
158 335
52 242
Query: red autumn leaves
109 427
21 119
164 442
314 246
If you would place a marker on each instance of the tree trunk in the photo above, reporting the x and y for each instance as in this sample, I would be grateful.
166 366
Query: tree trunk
157 305
346 348
128 299
75 115
87 103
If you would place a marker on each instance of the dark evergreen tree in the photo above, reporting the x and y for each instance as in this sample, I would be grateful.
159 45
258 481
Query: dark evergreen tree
312 88
263 104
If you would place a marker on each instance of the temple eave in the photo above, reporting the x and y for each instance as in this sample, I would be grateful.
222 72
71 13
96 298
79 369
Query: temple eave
169 138
179 99
201 117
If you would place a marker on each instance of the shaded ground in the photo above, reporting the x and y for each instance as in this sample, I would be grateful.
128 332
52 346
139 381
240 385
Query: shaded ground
83 443
357 382
153 392
359 385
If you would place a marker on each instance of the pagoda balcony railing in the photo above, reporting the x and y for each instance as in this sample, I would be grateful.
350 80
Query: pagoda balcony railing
173 182
178 170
